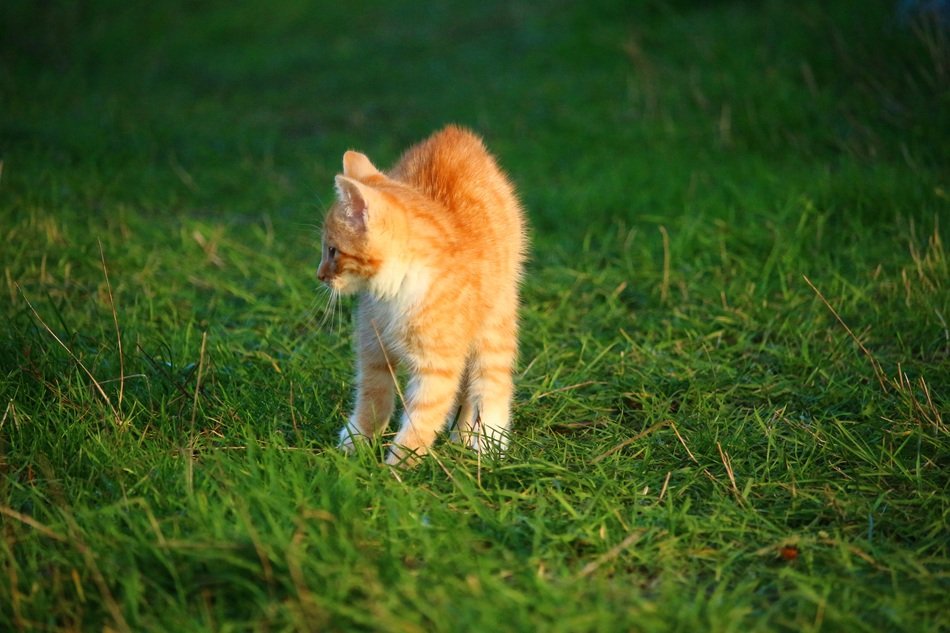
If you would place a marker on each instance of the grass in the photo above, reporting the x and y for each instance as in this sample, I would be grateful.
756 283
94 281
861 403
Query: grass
731 408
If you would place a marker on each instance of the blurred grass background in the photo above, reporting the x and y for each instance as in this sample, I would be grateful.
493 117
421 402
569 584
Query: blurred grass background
688 404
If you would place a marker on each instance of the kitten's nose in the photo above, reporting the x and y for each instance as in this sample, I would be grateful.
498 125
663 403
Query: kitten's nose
323 273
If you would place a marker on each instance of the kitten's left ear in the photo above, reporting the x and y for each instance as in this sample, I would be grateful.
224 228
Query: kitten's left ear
357 199
356 165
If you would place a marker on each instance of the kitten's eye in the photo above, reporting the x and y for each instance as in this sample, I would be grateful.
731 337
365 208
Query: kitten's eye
331 250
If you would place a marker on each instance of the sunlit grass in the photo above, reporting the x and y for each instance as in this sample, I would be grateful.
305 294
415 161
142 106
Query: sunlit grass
735 360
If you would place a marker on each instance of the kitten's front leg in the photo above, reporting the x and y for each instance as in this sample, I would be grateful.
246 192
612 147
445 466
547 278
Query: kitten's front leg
374 397
431 395
374 406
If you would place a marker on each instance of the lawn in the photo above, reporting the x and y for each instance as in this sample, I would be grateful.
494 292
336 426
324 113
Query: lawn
732 397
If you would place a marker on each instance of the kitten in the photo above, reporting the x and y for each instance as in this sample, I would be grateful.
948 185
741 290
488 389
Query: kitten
435 248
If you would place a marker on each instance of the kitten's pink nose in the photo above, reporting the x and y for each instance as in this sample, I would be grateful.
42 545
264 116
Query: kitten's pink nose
323 273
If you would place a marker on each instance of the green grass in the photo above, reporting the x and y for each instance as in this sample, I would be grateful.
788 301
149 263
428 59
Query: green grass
687 403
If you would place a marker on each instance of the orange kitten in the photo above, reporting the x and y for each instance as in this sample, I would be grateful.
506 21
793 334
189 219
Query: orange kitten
435 248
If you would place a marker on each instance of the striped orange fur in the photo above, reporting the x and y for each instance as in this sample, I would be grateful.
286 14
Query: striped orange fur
435 248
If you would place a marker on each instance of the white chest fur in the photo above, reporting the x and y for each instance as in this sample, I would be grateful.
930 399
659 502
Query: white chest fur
401 285
396 292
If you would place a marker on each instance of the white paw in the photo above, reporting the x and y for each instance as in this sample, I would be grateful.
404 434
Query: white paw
402 457
349 438
492 443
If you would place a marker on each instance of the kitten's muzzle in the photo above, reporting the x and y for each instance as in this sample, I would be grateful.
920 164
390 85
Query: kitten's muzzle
323 273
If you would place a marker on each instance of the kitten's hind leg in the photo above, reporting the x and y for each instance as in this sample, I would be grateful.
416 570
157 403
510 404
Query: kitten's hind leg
467 408
465 421
430 397
492 387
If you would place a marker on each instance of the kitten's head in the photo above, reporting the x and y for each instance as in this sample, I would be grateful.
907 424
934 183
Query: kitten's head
356 232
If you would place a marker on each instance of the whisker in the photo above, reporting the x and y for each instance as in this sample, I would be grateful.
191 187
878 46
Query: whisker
328 309
305 325
339 322
310 314
308 225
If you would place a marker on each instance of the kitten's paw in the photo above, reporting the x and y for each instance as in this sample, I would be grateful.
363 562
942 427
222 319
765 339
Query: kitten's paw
460 436
349 438
495 444
403 457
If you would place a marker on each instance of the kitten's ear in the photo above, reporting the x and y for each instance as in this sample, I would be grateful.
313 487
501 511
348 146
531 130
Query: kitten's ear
356 165
357 199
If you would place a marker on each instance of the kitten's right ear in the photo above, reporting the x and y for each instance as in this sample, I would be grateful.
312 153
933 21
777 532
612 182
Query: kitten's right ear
356 165
357 199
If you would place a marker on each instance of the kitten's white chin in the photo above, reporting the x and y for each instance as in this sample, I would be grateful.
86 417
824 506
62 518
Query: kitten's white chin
347 285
